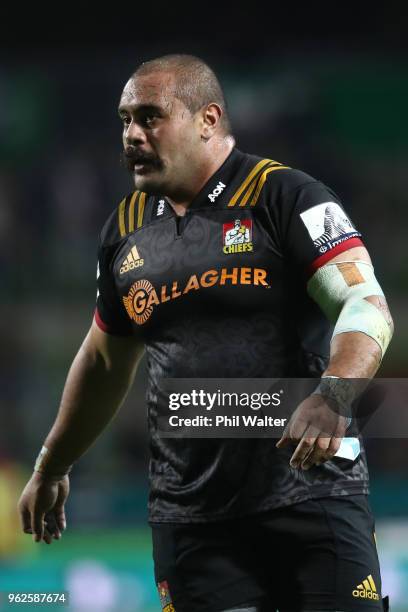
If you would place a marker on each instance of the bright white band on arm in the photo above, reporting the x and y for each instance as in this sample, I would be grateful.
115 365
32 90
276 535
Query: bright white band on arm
366 318
340 291
328 287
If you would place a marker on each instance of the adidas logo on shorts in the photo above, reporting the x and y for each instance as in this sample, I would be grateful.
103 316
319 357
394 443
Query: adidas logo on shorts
367 590
132 261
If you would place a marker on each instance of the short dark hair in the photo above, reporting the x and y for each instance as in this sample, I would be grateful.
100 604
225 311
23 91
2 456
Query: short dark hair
196 83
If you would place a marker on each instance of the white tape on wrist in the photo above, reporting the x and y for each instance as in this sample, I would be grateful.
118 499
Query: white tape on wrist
41 465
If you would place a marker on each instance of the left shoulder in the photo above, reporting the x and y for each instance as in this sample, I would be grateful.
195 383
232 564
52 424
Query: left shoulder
263 176
285 179
271 178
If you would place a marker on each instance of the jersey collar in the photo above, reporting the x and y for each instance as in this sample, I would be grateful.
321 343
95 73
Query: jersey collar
225 174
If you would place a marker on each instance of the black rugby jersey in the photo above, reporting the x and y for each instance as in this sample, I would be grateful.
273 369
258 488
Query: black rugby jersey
221 292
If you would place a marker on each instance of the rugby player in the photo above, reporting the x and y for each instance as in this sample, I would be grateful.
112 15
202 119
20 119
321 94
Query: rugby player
225 264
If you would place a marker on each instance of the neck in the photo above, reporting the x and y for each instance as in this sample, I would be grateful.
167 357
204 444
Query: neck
214 157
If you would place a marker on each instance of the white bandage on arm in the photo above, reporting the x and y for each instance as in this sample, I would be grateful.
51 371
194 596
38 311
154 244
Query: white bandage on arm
340 290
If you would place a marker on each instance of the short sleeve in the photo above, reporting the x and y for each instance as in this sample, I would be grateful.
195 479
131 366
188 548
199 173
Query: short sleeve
110 315
317 227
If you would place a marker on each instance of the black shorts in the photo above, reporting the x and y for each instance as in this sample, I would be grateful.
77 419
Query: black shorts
315 555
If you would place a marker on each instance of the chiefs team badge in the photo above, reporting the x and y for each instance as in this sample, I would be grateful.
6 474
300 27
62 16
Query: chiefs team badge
237 237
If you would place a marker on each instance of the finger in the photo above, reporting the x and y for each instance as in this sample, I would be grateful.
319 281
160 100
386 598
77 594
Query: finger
341 428
333 448
304 447
293 431
335 442
47 537
298 428
284 439
318 453
25 519
302 450
37 525
59 510
51 524
61 519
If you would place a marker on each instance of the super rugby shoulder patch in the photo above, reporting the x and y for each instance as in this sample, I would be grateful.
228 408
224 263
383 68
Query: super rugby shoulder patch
328 225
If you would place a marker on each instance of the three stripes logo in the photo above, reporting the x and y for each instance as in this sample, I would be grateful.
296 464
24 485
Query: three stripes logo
250 189
132 261
367 590
131 212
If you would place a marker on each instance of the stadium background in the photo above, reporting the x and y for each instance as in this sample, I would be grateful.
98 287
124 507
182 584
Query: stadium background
328 96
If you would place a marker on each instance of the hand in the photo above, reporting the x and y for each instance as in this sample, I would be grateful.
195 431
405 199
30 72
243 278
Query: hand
41 507
318 430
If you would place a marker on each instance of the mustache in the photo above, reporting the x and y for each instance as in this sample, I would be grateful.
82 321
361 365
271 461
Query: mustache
130 157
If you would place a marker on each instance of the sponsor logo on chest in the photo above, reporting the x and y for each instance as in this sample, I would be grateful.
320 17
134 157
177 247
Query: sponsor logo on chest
143 297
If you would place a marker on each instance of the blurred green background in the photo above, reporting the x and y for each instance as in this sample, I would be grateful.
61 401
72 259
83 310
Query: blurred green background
325 103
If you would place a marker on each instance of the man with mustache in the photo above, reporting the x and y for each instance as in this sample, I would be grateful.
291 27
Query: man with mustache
238 525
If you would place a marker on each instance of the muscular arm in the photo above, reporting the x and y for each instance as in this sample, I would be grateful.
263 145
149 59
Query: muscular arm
353 354
97 383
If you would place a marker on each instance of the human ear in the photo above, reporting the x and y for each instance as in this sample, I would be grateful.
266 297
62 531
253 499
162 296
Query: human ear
210 118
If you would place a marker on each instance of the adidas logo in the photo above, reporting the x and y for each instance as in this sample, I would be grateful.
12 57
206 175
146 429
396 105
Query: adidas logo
132 261
367 589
